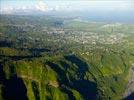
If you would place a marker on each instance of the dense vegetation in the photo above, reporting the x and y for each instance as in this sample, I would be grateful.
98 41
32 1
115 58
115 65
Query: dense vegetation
49 58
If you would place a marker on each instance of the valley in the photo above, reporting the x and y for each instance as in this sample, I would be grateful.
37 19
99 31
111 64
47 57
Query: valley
52 58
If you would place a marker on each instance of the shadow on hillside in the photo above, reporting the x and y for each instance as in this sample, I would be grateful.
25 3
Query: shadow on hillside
35 52
130 97
13 88
82 66
64 64
39 50
2 75
86 88
35 90
62 79
67 91
5 43
59 71
19 57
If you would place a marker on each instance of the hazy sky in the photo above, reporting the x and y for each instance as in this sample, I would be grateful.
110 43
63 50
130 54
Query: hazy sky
8 6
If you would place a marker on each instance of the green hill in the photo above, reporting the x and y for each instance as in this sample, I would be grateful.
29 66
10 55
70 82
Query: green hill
42 60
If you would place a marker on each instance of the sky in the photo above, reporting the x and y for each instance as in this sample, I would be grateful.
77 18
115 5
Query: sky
9 6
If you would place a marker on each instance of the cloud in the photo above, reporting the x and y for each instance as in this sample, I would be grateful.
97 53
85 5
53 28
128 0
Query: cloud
38 6
7 10
74 5
41 6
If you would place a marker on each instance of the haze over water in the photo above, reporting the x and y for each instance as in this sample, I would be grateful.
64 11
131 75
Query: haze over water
96 10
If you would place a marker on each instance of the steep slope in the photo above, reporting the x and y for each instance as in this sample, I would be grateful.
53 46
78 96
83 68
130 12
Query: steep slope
130 86
68 77
76 61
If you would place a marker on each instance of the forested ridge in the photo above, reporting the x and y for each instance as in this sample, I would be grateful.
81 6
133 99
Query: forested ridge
49 58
